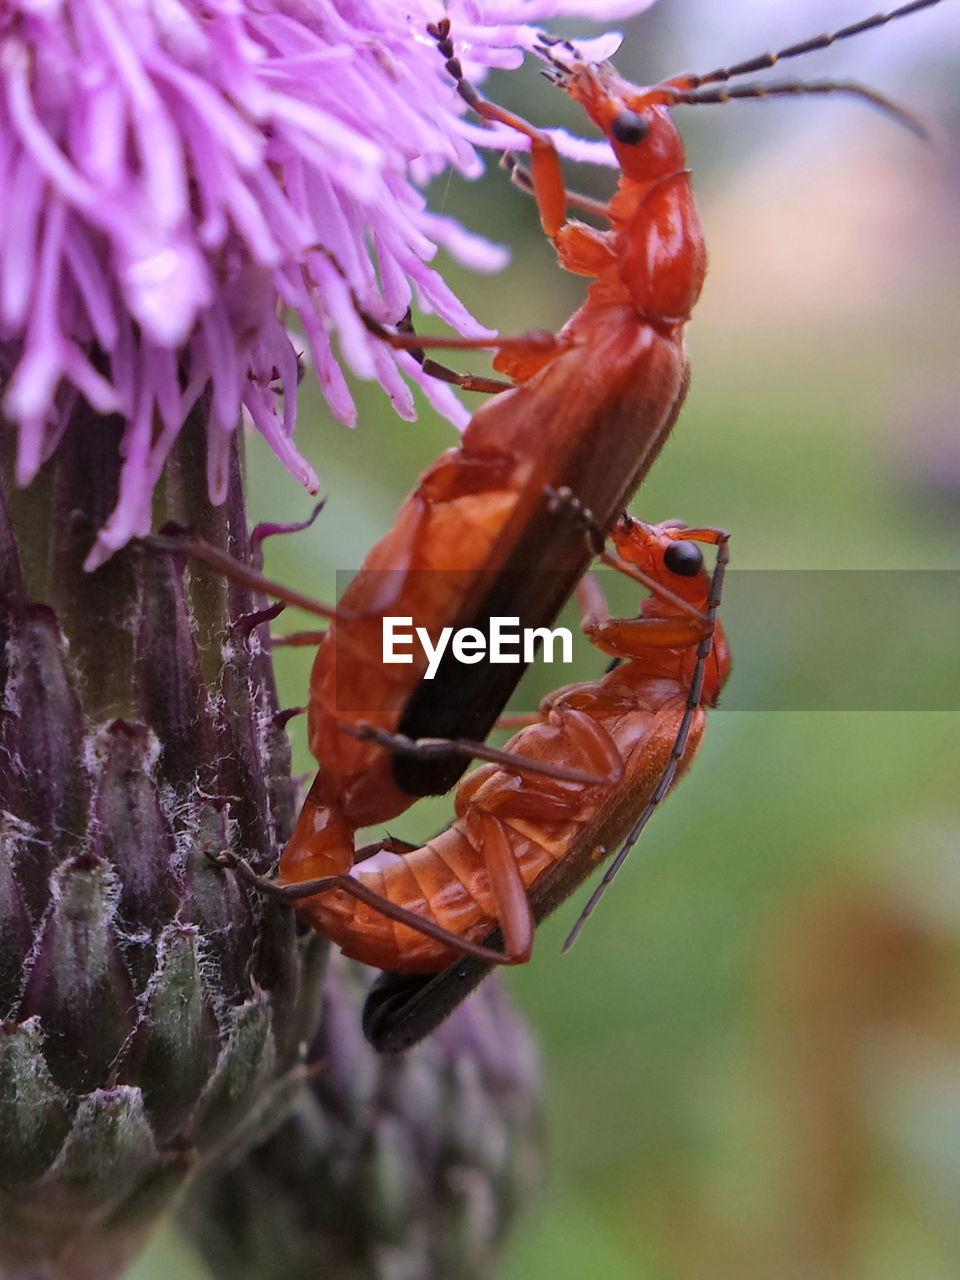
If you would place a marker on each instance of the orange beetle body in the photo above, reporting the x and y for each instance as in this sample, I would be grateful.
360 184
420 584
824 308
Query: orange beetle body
587 415
514 825
485 533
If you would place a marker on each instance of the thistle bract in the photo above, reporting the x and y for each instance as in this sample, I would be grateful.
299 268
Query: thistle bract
152 1010
390 1168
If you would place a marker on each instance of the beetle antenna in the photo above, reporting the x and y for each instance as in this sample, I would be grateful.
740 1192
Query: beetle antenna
704 650
766 60
798 88
686 88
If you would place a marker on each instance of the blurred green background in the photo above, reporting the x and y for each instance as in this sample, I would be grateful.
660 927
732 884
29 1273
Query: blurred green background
753 1052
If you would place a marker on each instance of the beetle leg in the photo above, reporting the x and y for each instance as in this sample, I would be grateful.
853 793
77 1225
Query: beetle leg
535 342
506 886
521 177
297 640
546 175
179 541
443 373
427 748
295 892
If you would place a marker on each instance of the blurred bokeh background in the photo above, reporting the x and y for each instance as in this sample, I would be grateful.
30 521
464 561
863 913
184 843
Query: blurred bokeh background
753 1051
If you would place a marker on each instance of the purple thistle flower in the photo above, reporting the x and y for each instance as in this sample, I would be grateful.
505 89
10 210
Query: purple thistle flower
178 177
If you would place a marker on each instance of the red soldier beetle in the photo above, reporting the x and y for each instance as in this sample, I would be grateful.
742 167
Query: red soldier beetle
361 783
401 1009
505 524
524 838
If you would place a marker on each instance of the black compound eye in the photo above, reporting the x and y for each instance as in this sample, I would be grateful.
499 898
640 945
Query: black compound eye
628 128
684 558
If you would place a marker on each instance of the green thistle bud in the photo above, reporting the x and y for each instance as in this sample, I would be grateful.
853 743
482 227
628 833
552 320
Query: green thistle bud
391 1168
153 1009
